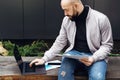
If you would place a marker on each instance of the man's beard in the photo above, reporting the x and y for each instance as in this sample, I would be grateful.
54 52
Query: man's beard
74 17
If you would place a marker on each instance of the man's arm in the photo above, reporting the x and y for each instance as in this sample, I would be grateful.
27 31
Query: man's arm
106 40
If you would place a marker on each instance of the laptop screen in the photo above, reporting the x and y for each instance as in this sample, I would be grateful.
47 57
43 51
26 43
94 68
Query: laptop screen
17 55
24 66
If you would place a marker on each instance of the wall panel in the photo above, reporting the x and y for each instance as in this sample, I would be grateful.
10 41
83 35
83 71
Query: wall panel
11 24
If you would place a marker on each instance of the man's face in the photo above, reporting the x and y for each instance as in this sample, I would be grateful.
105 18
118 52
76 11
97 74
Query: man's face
69 10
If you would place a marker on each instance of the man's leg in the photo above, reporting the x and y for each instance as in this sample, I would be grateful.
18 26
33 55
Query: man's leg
97 71
66 71
68 66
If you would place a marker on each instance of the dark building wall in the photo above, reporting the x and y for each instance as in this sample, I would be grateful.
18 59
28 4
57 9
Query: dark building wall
41 19
11 22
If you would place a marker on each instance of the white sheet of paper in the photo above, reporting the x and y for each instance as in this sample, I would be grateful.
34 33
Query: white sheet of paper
74 56
49 67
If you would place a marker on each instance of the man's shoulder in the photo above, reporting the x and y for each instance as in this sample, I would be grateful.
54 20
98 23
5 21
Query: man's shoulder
98 14
66 20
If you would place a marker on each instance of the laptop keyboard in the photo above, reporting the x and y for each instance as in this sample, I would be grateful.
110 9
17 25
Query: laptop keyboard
29 69
40 69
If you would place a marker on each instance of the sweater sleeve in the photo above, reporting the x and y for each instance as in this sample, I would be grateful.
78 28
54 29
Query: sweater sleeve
106 40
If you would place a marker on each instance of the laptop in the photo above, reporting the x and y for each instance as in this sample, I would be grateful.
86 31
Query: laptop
24 66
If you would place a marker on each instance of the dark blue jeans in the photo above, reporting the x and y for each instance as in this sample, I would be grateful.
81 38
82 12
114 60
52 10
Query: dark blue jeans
69 67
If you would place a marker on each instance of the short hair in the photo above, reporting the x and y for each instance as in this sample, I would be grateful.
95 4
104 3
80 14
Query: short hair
73 1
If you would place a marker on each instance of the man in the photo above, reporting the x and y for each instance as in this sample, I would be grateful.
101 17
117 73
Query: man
88 32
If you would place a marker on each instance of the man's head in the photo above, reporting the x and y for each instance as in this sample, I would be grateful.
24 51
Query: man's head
72 8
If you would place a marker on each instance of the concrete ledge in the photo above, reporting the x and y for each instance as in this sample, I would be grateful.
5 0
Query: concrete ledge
10 71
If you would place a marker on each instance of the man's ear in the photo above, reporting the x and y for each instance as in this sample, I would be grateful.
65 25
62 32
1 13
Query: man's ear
76 5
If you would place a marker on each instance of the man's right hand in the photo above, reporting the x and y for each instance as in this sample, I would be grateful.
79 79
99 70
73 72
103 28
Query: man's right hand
37 62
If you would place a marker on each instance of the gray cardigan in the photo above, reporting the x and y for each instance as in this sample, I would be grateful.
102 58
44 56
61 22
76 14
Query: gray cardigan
98 34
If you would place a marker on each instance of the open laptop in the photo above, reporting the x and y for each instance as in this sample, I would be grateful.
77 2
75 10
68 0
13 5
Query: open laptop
24 66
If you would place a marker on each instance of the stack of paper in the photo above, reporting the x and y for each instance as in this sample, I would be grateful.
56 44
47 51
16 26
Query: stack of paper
52 64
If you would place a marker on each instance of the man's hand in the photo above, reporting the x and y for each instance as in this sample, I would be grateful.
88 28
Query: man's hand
37 62
87 61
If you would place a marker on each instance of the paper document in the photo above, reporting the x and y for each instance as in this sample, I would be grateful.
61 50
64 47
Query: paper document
73 56
52 64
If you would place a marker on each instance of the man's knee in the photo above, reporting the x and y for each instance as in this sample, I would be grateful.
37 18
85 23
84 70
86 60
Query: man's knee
98 76
62 73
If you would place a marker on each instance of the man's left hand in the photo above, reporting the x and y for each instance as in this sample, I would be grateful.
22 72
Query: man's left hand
87 61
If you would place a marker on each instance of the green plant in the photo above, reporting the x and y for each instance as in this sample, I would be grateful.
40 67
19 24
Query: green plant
9 46
114 54
36 48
